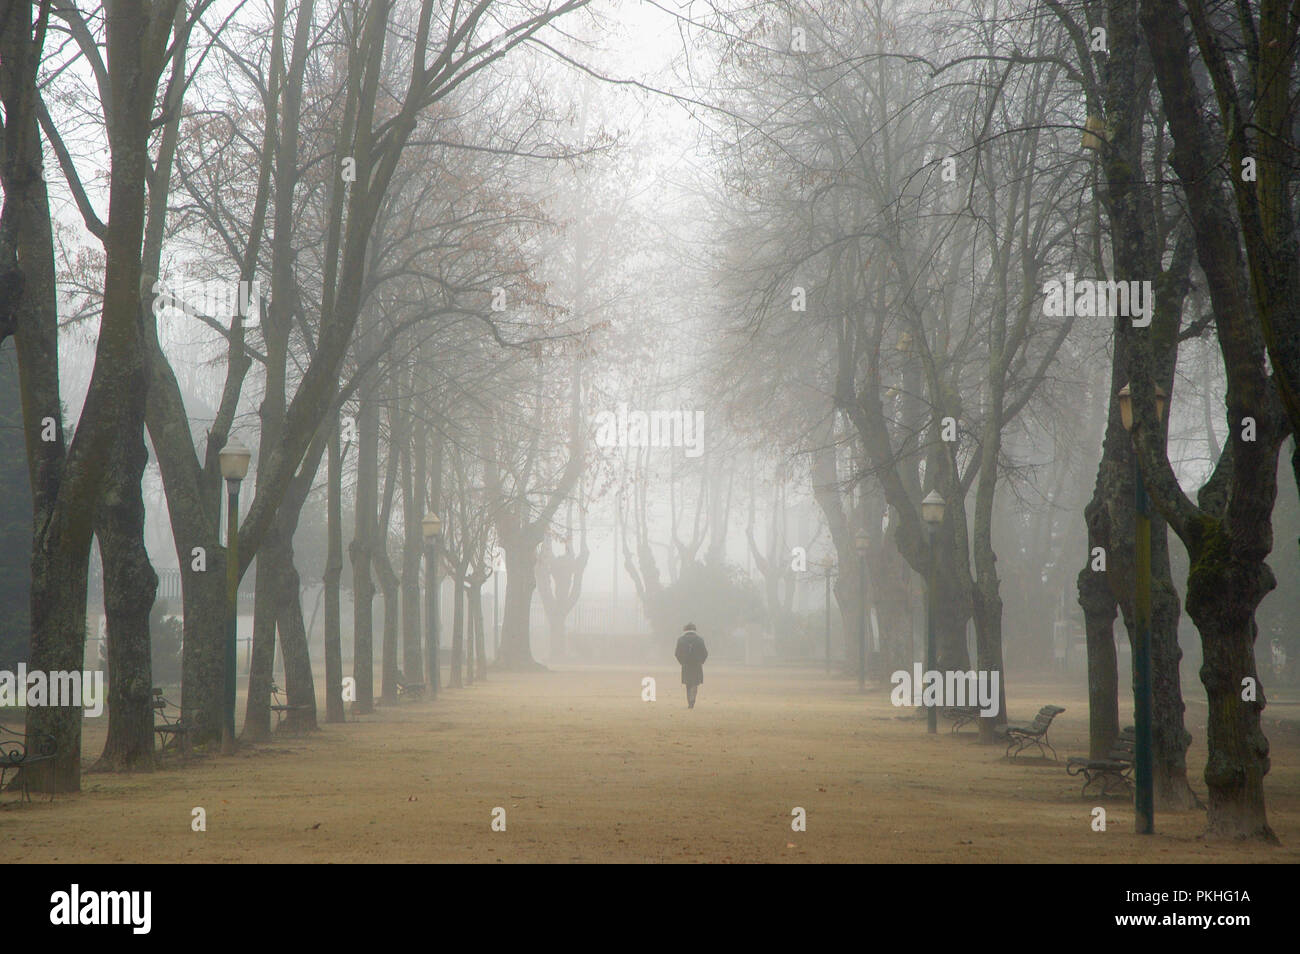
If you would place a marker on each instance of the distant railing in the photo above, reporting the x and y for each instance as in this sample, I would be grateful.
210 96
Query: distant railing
169 590
596 616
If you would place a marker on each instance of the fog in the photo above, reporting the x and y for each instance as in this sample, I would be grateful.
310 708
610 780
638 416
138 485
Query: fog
898 396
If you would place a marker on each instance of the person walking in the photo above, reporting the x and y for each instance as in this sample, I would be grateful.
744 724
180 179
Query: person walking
691 653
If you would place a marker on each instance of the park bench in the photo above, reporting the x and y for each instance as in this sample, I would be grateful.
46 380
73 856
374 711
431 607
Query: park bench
173 733
1021 737
1116 767
962 715
282 709
414 690
17 752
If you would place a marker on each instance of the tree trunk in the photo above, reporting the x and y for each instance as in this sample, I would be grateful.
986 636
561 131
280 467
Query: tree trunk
390 583
130 585
1228 536
412 657
516 648
1239 750
988 640
58 643
1110 521
847 598
480 642
470 635
1136 248
950 616
1099 612
1169 736
129 580
203 657
985 596
334 710
266 617
454 680
299 684
278 607
61 500
193 490
1222 595
433 635
362 549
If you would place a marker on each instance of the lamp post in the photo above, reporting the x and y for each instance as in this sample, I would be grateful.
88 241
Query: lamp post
861 541
234 458
932 508
432 527
1143 799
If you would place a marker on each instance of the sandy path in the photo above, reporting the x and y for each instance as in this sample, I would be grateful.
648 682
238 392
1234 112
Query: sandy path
586 771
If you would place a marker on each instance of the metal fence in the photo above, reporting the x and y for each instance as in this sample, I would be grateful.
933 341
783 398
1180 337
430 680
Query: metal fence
597 616
169 589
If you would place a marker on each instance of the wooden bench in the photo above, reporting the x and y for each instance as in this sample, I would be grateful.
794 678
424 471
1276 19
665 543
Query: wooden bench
17 753
1116 767
281 709
962 715
173 733
414 690
1021 737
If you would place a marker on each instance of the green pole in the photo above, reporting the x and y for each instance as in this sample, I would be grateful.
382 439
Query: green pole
435 671
1144 816
931 713
232 612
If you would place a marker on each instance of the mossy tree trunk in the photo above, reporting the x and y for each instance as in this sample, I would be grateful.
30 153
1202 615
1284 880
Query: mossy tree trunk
1228 531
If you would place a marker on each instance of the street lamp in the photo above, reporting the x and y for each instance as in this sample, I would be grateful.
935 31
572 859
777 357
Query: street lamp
861 542
1126 406
234 458
932 508
432 527
1144 799
1094 133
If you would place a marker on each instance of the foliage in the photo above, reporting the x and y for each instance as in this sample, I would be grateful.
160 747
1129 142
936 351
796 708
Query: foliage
716 597
165 645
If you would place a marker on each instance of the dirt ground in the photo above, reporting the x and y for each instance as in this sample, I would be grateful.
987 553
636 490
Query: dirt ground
588 772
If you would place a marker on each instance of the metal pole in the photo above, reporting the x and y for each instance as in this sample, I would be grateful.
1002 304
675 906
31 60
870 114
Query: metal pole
435 667
232 613
1144 815
430 611
931 713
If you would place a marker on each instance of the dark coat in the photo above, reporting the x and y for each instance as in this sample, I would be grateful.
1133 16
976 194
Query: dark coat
691 653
